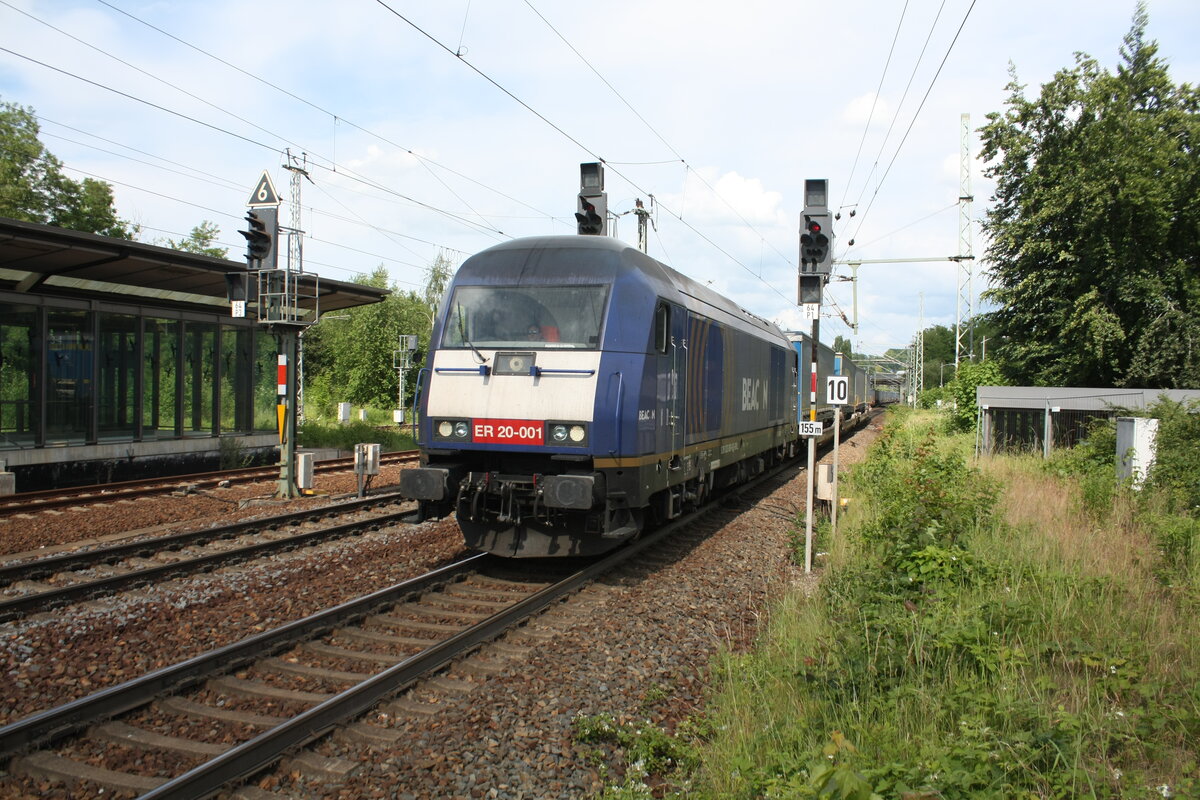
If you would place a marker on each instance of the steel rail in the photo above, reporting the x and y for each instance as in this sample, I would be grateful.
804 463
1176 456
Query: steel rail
46 726
82 559
250 757
41 601
107 492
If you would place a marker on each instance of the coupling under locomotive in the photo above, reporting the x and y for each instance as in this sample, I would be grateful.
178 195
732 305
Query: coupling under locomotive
577 389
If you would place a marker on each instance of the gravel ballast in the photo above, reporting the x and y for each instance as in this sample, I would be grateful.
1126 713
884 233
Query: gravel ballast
635 646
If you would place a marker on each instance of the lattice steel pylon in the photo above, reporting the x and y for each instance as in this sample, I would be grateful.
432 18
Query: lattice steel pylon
295 262
966 257
295 237
918 381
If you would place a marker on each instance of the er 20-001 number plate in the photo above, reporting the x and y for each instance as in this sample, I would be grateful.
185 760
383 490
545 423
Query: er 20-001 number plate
508 431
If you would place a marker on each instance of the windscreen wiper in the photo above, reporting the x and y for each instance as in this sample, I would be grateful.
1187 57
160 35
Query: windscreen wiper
462 332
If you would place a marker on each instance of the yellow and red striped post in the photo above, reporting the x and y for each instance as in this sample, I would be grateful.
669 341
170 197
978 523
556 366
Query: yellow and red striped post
281 406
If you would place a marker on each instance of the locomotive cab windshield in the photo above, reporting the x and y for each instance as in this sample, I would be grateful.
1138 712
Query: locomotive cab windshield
525 316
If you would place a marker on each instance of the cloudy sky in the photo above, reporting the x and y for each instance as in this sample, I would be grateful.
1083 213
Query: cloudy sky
449 126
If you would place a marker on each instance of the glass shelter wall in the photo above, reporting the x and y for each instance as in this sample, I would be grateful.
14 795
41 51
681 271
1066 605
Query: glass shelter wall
75 376
160 376
118 375
237 370
69 362
199 389
20 341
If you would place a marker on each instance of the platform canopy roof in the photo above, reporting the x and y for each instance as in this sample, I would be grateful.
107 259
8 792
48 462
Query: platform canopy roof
47 260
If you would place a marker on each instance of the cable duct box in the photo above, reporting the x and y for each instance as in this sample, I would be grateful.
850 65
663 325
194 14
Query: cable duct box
825 482
366 459
304 470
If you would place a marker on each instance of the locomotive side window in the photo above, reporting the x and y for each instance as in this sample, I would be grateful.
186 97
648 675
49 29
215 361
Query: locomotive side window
525 316
662 327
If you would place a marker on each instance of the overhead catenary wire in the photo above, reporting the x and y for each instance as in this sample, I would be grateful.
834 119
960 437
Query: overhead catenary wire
916 114
146 73
143 101
574 141
659 136
905 227
224 213
224 183
425 160
212 180
900 106
196 172
874 101
497 230
343 170
389 234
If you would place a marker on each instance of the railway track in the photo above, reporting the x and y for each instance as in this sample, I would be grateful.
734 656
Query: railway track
25 502
326 671
363 660
145 561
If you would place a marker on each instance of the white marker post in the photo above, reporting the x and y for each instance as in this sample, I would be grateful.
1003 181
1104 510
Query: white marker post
837 389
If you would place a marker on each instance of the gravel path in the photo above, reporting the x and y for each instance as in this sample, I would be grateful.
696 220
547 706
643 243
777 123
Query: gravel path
636 647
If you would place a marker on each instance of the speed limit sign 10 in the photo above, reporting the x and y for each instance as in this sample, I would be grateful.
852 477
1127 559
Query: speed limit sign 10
837 390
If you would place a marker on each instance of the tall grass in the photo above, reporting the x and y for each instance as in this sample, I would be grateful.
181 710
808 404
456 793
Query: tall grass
981 631
345 436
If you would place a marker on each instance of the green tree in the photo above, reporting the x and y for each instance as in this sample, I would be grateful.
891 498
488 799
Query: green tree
1095 226
200 241
33 187
437 277
983 331
939 356
348 356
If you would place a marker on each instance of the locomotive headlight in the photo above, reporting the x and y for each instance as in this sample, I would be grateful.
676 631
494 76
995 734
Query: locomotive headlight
568 434
445 428
461 429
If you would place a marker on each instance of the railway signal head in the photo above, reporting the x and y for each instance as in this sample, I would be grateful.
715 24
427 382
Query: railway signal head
814 245
816 232
591 215
260 238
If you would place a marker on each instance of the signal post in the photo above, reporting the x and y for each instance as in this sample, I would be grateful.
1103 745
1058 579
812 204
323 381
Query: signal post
271 295
816 262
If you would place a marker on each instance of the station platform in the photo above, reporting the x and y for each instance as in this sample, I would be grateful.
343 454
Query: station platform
120 359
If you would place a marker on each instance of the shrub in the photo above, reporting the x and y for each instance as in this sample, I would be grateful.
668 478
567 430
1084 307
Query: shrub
961 390
344 437
1176 471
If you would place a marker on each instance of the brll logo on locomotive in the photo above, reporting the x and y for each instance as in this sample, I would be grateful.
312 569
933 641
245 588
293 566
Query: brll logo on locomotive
754 394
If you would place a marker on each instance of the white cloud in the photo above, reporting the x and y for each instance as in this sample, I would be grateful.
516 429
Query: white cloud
867 107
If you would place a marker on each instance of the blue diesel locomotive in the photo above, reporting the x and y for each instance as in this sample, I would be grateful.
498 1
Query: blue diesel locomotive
577 389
